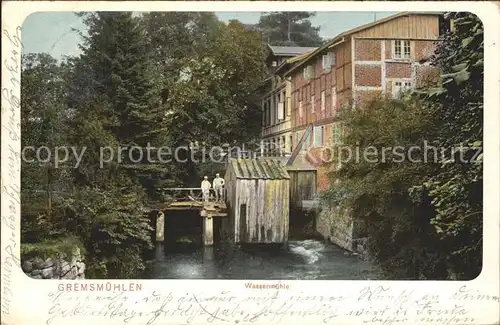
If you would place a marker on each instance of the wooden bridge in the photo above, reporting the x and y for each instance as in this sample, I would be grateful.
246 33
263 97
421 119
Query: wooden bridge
190 198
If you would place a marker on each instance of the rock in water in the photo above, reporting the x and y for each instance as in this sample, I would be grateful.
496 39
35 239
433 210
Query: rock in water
27 266
48 263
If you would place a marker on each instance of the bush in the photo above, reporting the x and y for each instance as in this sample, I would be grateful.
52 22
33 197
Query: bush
52 248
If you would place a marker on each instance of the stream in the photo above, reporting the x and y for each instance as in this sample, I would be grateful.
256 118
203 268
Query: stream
301 260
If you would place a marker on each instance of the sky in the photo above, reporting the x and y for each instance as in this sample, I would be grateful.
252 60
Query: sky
51 32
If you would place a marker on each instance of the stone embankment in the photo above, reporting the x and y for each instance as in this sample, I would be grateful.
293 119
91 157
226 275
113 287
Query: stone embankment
62 267
341 230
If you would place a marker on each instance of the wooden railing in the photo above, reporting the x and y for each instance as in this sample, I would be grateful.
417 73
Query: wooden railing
195 194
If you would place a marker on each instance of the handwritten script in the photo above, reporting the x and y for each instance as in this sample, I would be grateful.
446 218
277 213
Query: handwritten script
373 304
12 163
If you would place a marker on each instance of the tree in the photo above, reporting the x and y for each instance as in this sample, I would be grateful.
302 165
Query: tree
113 106
457 109
289 28
44 125
376 190
211 84
116 57
424 215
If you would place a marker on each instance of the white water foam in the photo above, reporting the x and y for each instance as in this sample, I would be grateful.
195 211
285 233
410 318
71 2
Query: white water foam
308 249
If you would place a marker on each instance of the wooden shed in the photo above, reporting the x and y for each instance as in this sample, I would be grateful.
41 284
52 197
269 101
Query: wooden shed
257 195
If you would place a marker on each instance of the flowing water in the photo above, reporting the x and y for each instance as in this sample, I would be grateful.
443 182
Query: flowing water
300 260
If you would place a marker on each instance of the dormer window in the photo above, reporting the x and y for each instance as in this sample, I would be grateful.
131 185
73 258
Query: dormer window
308 72
328 60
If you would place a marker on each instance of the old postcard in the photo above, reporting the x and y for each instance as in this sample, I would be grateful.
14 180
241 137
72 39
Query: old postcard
250 163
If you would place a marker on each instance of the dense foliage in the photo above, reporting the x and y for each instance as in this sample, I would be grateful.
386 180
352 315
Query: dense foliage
457 110
289 29
160 79
422 209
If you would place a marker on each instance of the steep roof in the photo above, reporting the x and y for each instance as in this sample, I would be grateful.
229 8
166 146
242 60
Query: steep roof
340 36
258 169
290 50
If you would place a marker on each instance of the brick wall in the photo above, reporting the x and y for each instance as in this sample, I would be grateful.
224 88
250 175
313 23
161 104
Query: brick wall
344 97
315 156
388 49
339 82
364 96
423 49
302 90
426 75
348 76
367 50
398 70
367 75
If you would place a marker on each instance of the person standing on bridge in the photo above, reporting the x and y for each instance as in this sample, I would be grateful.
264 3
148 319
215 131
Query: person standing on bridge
218 187
205 188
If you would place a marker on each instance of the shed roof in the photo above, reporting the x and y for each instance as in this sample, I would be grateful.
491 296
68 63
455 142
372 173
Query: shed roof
290 50
258 169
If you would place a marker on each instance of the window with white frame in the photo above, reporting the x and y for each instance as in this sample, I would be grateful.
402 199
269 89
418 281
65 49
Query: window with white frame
399 87
326 62
313 103
318 135
300 109
308 72
281 110
402 49
406 49
323 100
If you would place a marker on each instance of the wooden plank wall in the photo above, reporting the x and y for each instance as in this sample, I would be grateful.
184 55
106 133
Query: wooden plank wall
267 210
413 27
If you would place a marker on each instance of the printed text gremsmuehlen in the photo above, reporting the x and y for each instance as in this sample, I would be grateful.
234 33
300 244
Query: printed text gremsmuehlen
108 286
